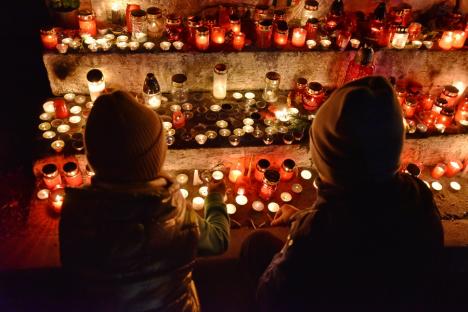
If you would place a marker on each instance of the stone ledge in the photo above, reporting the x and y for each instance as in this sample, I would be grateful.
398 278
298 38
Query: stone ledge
67 73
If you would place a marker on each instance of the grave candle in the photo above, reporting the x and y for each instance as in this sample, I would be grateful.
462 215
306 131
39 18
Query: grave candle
270 182
217 175
298 37
452 168
49 38
217 35
178 119
238 41
436 186
96 83
235 24
455 186
446 41
273 207
72 174
241 200
198 203
220 81
281 34
202 40
236 172
56 198
182 178
459 37
51 176
438 171
87 22
60 108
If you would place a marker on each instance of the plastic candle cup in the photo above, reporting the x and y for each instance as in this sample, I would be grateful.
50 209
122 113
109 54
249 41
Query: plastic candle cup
416 44
306 174
182 178
217 35
49 107
231 209
149 45
325 43
286 197
446 41
217 175
355 43
122 45
58 145
436 186
438 171
43 194
165 45
198 203
298 37
201 139
184 193
452 168
258 205
455 186
241 200
237 96
273 207
428 44
134 45
311 44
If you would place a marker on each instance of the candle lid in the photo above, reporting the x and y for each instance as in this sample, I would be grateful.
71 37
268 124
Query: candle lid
50 170
234 18
154 11
173 19
279 15
311 5
194 21
440 102
94 75
450 91
138 13
220 69
301 82
263 164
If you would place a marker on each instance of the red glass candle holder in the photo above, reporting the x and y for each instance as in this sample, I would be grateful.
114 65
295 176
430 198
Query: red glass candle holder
438 171
288 170
234 23
87 22
56 198
178 120
49 38
409 108
313 97
173 27
262 166
299 90
51 176
450 94
280 36
192 23
218 35
264 34
202 38
61 109
128 15
452 168
461 115
270 183
459 38
72 174
238 41
298 38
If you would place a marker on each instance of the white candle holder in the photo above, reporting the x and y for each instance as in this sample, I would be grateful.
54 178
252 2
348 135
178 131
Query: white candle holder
416 44
63 128
231 209
178 45
109 37
182 179
165 45
201 139
134 45
67 40
248 121
428 44
45 116
234 140
62 48
311 44
58 145
217 175
198 203
224 132
149 45
122 45
80 99
222 124
273 207
286 197
239 132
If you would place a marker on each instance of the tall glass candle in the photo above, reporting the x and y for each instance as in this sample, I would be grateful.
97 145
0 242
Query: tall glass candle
238 41
156 22
217 35
139 26
264 33
272 81
459 37
270 183
235 172
262 166
60 108
49 38
51 176
446 41
280 36
202 38
450 94
220 81
96 83
314 96
453 167
72 174
309 11
298 37
399 38
128 12
235 23
193 22
87 22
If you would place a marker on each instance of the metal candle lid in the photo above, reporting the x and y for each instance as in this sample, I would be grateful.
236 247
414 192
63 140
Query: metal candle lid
179 79
265 25
263 165
311 5
314 87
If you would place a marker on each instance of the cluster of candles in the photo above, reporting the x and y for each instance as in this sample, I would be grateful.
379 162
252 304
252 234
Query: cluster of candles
236 27
449 170
430 111
55 178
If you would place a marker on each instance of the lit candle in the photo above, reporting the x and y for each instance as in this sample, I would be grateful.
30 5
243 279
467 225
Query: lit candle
58 145
296 188
62 48
222 124
446 41
438 171
436 186
217 175
87 22
115 7
455 186
49 134
231 209
217 35
56 198
219 83
311 43
236 172
63 128
273 207
459 37
201 139
241 200
280 36
184 193
44 126
306 174
286 197
198 203
43 194
238 41
235 24
452 168
182 178
96 83
298 37
75 110
203 191
49 38
178 119
202 40
49 107
258 205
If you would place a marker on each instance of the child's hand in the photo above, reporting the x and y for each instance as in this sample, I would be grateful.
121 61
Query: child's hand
284 214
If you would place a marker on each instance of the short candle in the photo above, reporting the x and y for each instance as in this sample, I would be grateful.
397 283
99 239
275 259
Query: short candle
184 193
436 186
306 174
203 191
217 175
249 95
237 96
58 145
43 194
455 186
221 123
215 108
63 128
182 178
198 203
241 200
273 207
45 116
49 107
75 109
296 188
48 134
286 197
231 209
258 205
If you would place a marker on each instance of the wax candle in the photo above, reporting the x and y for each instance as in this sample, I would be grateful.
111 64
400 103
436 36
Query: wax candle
455 186
459 37
72 174
217 175
201 139
436 186
231 209
452 168
298 37
87 22
280 36
270 183
258 205
235 172
238 41
96 83
49 38
43 194
241 200
178 119
217 35
198 203
220 82
446 41
202 40
56 199
58 145
51 176
60 108
273 207
438 171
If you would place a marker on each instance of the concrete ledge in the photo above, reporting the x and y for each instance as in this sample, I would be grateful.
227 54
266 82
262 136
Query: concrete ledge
67 73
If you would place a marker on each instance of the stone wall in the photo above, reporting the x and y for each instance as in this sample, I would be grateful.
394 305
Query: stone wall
67 73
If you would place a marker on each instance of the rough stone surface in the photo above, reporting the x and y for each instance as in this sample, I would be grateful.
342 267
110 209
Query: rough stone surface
67 73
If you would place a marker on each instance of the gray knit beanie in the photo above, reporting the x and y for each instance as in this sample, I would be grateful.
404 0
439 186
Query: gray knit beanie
124 139
357 135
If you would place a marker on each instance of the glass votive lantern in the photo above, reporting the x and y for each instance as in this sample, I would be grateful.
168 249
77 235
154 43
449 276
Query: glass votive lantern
264 33
450 94
260 168
288 138
220 81
51 176
173 27
288 169
139 26
444 119
461 115
400 38
299 90
193 22
218 35
61 109
298 37
62 48
238 41
96 83
234 23
459 38
49 38
156 22
280 36
309 11
439 104
446 41
452 168
313 97
414 30
234 140
87 22
179 91
72 174
178 120
235 172
270 183
202 38
268 139
409 108
312 27
270 92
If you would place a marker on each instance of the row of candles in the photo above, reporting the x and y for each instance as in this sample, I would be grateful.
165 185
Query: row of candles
449 169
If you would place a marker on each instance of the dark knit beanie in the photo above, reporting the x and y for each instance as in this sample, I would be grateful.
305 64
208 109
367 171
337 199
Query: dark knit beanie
124 139
357 134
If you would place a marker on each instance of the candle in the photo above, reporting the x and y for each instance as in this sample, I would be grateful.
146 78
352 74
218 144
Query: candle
178 119
296 188
178 45
217 35
63 128
49 38
219 83
438 171
58 145
455 186
56 198
235 24
248 129
234 140
182 178
96 83
218 175
428 44
280 36
231 209
48 134
62 48
203 191
236 172
51 176
45 116
311 43
202 40
224 132
130 7
355 43
115 8
43 194
258 205
60 108
459 37
184 193
75 110
298 37
198 203
49 107
286 197
306 174
238 41
273 207
201 139
196 178
44 126
325 43
436 186
72 174
452 168
241 200
87 22
446 41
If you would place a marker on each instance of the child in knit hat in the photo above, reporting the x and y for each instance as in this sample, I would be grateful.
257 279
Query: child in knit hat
129 240
374 234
